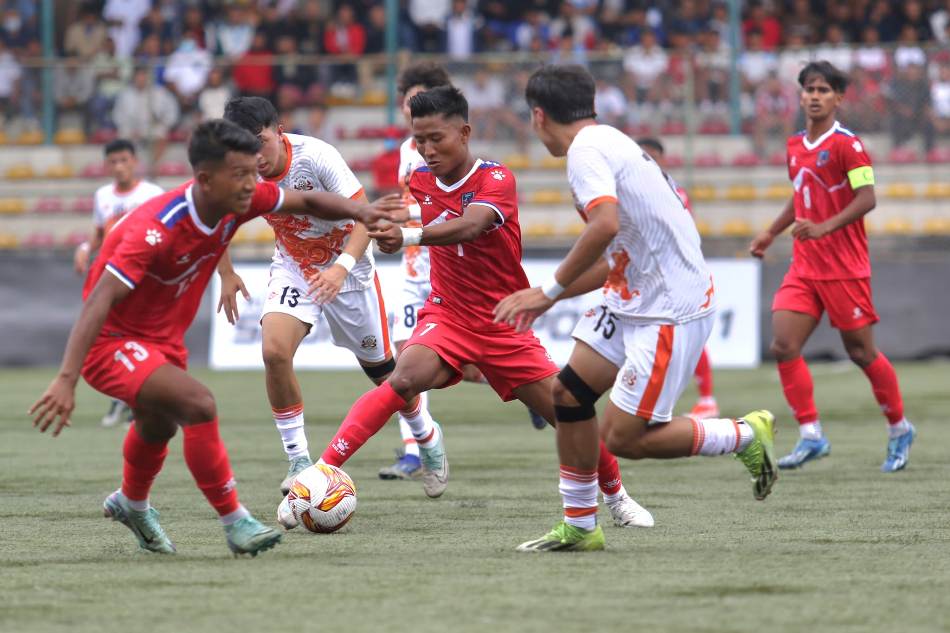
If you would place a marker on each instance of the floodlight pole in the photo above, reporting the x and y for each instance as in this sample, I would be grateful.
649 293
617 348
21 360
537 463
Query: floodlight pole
392 23
49 57
735 48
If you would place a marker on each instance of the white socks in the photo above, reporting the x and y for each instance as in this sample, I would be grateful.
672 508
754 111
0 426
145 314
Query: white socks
615 497
411 446
135 504
578 490
810 430
420 423
898 428
718 436
289 422
233 517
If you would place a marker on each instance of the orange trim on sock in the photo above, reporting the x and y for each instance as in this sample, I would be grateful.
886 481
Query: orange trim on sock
582 476
698 436
427 438
412 441
575 513
661 363
735 449
288 412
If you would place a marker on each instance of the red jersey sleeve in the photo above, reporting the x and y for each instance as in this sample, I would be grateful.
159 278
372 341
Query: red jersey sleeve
854 162
497 191
141 245
268 198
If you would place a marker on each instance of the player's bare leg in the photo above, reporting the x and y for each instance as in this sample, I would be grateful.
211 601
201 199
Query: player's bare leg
407 465
790 331
471 373
863 352
282 335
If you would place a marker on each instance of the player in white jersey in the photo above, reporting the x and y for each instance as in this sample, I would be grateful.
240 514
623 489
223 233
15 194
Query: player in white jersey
111 202
319 268
657 314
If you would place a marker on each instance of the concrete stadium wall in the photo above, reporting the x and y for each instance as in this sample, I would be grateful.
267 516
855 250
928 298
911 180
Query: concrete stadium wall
40 298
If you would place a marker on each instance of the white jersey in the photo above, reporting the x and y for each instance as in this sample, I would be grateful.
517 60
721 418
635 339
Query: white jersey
110 205
657 270
306 244
415 259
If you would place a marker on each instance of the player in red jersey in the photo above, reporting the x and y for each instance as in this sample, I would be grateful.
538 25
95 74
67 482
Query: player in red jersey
128 341
706 406
471 228
831 271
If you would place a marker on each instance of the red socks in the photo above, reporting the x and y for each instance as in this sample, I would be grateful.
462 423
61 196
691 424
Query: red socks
886 390
142 463
207 460
703 373
799 390
365 419
608 472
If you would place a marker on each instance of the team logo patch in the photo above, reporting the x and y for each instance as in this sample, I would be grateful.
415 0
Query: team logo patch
857 313
184 259
590 313
794 161
629 377
302 183
427 199
823 157
369 342
467 198
153 237
498 174
857 146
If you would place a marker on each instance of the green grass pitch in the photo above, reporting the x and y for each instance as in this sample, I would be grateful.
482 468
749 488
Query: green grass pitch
837 547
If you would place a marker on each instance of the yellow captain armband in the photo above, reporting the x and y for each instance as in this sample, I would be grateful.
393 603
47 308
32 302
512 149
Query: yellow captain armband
861 176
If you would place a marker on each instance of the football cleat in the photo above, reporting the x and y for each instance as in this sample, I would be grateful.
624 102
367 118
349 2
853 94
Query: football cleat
144 525
405 467
805 451
758 457
285 515
118 412
250 536
628 513
566 538
898 451
537 421
704 408
297 464
435 467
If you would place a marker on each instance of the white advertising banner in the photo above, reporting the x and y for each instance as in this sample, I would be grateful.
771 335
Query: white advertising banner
734 341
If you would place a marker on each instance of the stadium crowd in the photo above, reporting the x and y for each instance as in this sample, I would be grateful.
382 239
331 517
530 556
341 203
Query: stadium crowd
153 68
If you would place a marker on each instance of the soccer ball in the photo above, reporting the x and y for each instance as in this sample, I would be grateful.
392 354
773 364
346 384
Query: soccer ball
322 499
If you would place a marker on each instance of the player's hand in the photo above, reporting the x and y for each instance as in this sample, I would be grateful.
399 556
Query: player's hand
231 284
388 238
81 259
761 242
402 215
54 406
520 309
807 230
381 209
325 284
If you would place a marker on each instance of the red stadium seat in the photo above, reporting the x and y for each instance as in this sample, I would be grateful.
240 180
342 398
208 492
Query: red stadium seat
172 168
674 161
48 205
103 136
714 126
83 206
673 128
361 164
179 135
639 129
903 156
39 239
708 160
75 238
777 159
939 155
95 170
745 159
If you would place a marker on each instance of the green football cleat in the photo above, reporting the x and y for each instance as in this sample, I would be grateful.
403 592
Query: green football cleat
250 536
297 465
144 525
566 538
759 455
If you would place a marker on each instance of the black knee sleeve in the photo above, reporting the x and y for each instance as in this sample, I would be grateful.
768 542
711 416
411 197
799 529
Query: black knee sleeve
585 396
376 372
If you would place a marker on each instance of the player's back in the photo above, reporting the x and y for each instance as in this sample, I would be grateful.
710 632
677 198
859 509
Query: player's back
658 272
470 279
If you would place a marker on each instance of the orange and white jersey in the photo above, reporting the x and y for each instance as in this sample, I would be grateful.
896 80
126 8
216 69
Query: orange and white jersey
110 205
306 244
657 271
415 259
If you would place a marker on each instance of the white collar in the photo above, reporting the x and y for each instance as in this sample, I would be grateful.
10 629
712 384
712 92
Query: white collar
204 228
821 139
453 187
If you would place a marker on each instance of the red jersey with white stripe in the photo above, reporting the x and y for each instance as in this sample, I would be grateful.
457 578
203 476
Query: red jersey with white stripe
166 255
470 279
824 175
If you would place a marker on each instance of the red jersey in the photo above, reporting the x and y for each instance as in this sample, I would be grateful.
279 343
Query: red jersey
470 279
166 255
824 175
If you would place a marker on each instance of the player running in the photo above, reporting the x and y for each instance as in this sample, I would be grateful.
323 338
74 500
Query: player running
657 314
834 188
128 341
320 267
110 203
474 238
416 286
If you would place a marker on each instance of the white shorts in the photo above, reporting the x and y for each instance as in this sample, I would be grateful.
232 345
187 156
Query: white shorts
357 318
601 330
412 298
659 362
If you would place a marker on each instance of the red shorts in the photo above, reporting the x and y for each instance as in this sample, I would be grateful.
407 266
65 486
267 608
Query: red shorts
508 360
847 301
119 366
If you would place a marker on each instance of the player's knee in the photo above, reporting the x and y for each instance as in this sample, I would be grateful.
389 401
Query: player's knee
276 355
622 443
199 407
574 399
860 354
783 349
403 385
561 395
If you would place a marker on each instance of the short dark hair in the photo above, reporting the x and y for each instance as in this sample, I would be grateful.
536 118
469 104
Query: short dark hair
564 92
119 145
429 75
651 142
827 71
251 113
445 100
212 140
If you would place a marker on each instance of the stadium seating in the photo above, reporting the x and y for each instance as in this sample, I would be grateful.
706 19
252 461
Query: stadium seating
96 170
736 227
9 241
59 172
898 226
69 137
83 205
900 191
517 162
30 137
21 171
12 206
48 206
903 156
173 169
937 190
741 193
937 226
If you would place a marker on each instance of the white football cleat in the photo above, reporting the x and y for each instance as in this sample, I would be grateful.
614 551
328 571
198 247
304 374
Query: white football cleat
628 513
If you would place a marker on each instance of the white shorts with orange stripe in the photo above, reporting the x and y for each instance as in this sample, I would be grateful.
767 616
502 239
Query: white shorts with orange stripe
659 363
357 318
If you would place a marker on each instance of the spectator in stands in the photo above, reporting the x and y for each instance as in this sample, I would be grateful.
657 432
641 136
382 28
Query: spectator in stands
376 30
149 54
764 22
308 27
187 73
870 56
30 85
293 78
15 30
86 36
318 124
712 74
793 57
776 105
884 19
845 16
233 36
460 30
913 17
755 63
610 104
123 17
645 62
864 103
10 73
534 33
429 18
112 73
719 22
688 19
74 84
908 51
486 100
214 95
836 48
940 23
940 101
803 22
909 104
253 73
344 36
145 113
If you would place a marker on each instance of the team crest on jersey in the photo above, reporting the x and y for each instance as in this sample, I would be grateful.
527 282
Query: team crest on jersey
228 230
823 157
794 161
497 174
153 237
467 198
629 377
857 146
591 312
427 199
369 342
302 183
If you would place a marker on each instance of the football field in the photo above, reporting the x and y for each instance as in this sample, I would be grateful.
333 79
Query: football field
837 547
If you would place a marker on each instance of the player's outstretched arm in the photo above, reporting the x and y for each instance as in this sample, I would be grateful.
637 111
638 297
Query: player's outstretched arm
331 206
231 284
57 402
579 270
324 285
477 219
764 239
81 256
864 201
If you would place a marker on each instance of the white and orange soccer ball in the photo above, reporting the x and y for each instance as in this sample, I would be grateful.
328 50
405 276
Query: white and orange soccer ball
322 499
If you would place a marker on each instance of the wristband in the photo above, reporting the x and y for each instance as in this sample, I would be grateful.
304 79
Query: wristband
411 236
552 289
346 260
85 246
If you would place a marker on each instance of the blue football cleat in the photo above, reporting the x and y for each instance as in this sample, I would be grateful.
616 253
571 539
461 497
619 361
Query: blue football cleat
406 467
537 421
805 451
898 451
